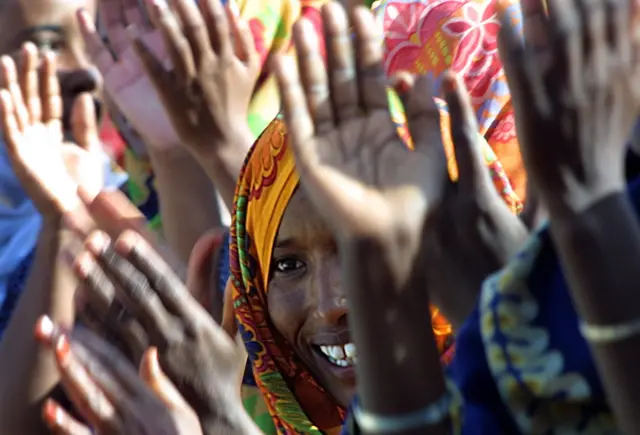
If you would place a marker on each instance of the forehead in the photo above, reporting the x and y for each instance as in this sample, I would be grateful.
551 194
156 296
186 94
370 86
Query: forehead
302 223
18 15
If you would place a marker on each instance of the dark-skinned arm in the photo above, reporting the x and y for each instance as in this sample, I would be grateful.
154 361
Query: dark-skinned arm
384 313
599 250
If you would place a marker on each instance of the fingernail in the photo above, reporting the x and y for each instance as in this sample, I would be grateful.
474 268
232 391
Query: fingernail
52 413
98 242
44 328
159 4
449 84
63 349
87 20
402 87
84 265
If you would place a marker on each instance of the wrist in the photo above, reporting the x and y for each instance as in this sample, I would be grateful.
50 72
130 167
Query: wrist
567 204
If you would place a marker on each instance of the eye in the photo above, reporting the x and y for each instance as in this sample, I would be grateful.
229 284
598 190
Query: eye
288 265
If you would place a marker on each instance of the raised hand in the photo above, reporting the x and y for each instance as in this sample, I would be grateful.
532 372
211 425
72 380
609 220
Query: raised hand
215 68
472 225
106 390
124 78
207 93
196 354
348 154
49 168
575 83
376 194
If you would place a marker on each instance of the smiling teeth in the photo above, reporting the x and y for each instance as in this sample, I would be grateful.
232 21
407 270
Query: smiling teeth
342 356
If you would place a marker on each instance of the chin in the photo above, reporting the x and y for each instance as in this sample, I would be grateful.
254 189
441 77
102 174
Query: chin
337 375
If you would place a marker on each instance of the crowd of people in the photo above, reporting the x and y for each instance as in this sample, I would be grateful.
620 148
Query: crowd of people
319 217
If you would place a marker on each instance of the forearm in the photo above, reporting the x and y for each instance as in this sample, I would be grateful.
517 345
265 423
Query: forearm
29 371
384 313
599 249
188 202
223 168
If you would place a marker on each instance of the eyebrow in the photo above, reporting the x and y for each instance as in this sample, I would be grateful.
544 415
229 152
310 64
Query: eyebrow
29 31
285 243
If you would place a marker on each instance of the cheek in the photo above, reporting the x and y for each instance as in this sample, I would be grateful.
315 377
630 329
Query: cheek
287 308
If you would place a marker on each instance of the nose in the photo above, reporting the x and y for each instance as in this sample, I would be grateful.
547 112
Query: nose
78 80
74 82
331 302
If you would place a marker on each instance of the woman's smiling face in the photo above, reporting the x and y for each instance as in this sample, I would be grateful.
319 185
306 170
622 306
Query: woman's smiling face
306 301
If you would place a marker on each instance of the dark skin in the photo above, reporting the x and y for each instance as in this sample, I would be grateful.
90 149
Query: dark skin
375 195
197 355
52 25
579 174
306 300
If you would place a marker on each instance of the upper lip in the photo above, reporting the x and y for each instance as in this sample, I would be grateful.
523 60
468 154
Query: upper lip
331 337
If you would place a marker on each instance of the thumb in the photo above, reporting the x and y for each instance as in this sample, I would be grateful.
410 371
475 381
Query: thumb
152 375
84 125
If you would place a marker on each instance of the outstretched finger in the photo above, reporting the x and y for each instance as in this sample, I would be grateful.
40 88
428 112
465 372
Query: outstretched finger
296 112
244 45
371 77
88 398
567 29
195 30
10 127
165 283
112 16
524 84
84 123
134 13
175 43
313 73
472 171
535 24
98 52
60 422
342 71
134 289
10 83
215 19
29 81
50 94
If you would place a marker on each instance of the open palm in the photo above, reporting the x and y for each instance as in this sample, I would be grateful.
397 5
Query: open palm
348 153
48 169
125 79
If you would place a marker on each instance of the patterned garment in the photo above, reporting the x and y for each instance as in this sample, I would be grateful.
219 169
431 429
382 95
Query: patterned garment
429 37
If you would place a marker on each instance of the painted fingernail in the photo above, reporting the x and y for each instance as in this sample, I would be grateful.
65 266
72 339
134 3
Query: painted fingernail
52 414
63 349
